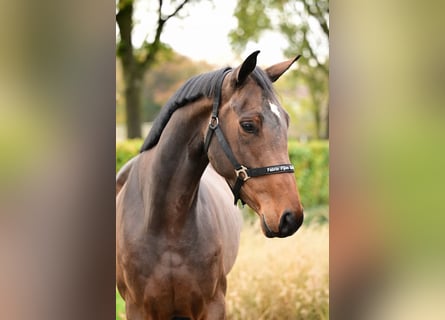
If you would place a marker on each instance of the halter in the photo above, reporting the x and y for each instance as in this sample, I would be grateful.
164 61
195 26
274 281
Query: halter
242 172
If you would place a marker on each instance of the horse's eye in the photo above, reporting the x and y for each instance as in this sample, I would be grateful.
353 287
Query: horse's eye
248 127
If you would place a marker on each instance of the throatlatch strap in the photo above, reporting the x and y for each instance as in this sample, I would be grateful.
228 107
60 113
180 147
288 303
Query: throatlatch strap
236 190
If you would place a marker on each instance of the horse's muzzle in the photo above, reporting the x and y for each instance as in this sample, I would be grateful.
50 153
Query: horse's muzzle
289 224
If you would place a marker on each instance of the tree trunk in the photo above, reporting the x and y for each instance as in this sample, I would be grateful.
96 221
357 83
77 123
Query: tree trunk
134 68
132 72
133 107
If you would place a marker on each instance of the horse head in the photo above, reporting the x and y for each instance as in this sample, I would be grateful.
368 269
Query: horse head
254 127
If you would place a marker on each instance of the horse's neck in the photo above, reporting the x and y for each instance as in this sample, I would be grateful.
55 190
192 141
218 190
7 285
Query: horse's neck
177 166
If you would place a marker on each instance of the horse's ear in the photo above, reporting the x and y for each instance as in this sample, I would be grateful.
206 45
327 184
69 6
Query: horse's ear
242 72
275 71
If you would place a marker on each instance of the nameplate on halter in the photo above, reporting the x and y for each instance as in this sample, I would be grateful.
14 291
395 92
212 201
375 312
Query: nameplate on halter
280 168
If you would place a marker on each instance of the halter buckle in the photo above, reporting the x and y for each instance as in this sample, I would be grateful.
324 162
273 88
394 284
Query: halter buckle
242 174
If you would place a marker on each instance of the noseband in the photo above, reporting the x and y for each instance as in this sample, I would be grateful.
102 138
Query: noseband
242 172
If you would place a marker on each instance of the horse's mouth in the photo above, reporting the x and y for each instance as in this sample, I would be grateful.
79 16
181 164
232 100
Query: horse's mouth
267 232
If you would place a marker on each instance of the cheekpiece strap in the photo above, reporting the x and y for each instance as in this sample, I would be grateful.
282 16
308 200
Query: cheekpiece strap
214 121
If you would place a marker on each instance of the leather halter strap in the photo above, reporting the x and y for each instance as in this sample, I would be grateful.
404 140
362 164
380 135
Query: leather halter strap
242 172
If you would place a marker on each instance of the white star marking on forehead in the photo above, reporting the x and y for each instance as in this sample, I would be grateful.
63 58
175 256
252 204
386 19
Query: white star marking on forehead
274 109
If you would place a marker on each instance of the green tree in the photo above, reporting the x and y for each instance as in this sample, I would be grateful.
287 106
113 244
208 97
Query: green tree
305 25
136 61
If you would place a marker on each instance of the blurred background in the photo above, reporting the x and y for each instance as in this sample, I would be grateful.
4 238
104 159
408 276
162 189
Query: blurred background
160 45
386 154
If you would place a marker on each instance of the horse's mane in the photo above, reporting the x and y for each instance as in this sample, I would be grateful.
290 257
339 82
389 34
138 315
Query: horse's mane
203 85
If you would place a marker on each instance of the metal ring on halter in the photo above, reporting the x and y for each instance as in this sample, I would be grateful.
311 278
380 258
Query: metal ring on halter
214 122
242 171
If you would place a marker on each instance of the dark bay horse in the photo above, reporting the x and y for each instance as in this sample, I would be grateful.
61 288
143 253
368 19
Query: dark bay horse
177 229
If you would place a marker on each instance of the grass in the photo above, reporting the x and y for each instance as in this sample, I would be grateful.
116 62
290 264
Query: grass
120 307
278 278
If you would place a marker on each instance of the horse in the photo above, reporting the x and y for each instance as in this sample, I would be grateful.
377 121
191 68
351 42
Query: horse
220 139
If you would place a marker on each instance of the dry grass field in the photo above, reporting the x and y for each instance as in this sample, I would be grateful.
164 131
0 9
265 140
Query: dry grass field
280 278
277 278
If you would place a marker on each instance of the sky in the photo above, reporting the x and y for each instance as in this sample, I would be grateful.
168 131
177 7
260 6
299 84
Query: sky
203 33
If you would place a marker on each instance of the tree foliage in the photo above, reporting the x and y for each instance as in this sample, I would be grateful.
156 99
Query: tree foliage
305 26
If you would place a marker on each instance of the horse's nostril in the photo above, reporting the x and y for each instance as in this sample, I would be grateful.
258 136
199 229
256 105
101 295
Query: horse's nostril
289 224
